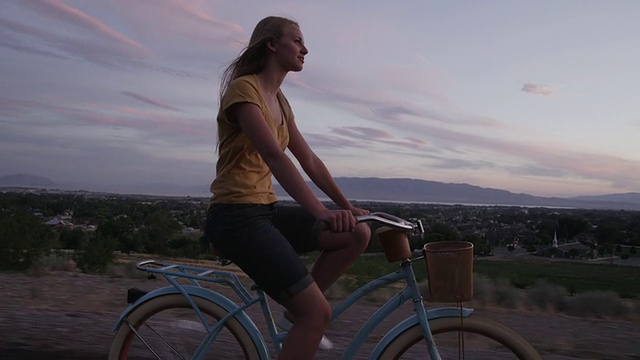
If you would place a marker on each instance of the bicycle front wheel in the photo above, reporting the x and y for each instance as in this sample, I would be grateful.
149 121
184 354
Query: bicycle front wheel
472 337
167 327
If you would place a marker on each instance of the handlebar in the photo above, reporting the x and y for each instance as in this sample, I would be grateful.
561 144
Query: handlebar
393 221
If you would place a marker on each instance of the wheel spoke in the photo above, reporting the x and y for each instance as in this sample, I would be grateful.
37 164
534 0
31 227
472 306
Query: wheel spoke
168 328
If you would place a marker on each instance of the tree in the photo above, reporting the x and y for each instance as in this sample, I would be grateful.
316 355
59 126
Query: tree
23 239
121 229
569 226
159 227
71 238
431 237
447 231
608 232
481 247
546 229
95 253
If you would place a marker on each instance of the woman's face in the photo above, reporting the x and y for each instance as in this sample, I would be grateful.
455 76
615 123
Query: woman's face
290 49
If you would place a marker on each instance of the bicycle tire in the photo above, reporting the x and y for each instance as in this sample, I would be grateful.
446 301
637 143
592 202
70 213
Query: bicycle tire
125 340
512 345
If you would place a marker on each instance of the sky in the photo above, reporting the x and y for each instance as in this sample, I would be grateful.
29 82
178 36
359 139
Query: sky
535 97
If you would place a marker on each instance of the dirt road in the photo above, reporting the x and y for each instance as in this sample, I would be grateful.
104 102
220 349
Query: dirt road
65 315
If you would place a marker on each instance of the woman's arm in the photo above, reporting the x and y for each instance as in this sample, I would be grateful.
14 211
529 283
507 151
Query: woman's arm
255 128
317 171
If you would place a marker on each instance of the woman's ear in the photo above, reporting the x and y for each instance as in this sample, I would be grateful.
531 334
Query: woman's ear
271 45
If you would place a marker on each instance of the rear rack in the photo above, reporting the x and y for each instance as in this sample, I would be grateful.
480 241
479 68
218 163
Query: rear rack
194 275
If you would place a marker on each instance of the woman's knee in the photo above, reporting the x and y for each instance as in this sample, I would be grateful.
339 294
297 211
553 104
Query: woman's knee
355 241
362 235
310 304
323 311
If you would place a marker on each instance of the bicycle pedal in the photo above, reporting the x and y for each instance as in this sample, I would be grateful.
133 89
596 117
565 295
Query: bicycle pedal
134 294
224 262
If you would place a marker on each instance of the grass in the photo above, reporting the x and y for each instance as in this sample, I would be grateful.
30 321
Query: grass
499 283
575 277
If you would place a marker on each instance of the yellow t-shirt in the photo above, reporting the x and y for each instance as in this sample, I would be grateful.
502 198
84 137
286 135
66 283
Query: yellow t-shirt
242 176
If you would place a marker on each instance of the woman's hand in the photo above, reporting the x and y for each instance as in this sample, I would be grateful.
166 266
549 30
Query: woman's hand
357 211
338 221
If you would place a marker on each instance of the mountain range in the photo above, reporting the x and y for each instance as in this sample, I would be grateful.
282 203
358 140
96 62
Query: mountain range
373 189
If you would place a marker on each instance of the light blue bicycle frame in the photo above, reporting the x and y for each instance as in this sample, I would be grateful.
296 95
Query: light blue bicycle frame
194 274
410 292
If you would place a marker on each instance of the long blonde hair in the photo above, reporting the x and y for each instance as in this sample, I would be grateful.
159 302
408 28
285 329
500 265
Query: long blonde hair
252 58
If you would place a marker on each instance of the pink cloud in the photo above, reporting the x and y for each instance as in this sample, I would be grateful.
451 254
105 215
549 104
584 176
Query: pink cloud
191 9
65 47
101 115
316 140
71 15
363 132
184 14
417 141
365 137
148 100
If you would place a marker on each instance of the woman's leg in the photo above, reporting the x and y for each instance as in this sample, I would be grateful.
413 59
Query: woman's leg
311 314
339 251
246 235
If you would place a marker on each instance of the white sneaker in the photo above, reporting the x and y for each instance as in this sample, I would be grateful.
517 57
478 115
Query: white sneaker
325 343
285 324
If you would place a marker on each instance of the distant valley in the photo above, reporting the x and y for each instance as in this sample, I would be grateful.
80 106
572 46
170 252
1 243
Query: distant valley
414 190
374 189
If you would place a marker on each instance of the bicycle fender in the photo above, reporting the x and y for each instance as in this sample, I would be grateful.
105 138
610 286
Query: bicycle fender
412 321
210 295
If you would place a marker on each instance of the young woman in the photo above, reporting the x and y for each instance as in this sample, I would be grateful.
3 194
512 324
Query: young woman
255 126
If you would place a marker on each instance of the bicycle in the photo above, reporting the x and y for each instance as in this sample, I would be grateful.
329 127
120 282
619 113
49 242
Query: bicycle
200 323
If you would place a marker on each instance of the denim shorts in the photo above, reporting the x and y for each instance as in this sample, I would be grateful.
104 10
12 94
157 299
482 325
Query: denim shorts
265 242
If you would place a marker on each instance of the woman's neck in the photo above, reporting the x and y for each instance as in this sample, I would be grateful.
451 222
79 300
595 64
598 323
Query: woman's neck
270 81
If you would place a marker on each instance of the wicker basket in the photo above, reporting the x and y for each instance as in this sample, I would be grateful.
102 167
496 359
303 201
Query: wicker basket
394 243
449 270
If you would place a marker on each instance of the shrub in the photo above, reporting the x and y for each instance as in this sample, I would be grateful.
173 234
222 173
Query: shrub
482 289
598 303
547 296
54 261
125 270
95 254
185 247
505 294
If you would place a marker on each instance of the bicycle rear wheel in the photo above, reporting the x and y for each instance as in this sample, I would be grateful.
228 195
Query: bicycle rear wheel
473 338
167 327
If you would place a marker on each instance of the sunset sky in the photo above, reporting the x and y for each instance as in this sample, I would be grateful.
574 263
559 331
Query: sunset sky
527 96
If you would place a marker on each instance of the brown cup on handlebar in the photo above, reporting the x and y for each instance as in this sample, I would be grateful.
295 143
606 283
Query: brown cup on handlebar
394 243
